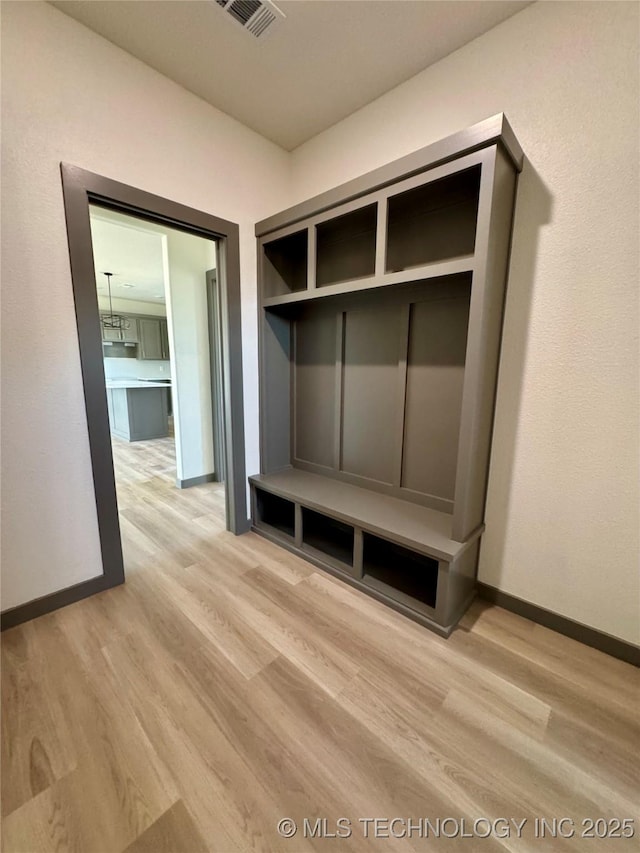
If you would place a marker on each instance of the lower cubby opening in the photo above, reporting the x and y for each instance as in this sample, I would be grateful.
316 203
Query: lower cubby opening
327 536
392 568
274 511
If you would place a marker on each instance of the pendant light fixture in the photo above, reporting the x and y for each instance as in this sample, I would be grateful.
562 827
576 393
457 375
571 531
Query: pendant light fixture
111 320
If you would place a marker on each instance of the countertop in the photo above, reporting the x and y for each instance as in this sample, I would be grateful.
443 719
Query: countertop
135 383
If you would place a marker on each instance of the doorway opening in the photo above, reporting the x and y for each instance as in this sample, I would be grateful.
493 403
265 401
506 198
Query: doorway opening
156 289
179 350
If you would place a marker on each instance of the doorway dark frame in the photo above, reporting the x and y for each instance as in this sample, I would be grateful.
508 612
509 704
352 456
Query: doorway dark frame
80 189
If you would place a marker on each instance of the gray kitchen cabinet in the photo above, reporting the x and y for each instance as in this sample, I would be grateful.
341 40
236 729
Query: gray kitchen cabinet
138 414
154 343
380 322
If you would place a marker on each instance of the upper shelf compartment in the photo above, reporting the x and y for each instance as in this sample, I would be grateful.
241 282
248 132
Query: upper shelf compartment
346 246
433 221
285 264
418 229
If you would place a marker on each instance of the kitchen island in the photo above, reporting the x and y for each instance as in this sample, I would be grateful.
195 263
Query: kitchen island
138 409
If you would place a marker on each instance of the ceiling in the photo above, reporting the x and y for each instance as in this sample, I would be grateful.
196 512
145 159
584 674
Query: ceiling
326 60
122 246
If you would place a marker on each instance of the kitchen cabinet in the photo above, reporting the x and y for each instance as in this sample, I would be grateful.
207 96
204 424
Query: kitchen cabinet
139 411
153 339
150 333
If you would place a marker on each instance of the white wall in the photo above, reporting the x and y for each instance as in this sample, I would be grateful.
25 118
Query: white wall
69 95
562 521
187 260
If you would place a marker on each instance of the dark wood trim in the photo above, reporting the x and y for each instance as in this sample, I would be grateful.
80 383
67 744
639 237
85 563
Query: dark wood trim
80 189
53 601
214 309
197 481
76 203
589 636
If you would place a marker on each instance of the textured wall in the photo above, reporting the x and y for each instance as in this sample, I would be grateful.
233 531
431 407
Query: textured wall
562 514
69 95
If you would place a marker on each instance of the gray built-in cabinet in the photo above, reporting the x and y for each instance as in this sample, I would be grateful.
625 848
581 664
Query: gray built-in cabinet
138 414
148 332
381 306
154 340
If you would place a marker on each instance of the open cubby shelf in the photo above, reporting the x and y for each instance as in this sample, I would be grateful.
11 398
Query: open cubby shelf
375 283
381 308
327 536
430 232
346 247
275 512
394 569
356 539
285 264
433 222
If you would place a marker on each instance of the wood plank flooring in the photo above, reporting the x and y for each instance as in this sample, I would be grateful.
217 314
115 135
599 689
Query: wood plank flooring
228 685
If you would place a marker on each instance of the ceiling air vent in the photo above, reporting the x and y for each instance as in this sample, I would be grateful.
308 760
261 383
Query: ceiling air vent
256 16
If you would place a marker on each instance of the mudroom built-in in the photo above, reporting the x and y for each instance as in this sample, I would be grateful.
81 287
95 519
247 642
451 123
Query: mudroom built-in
381 316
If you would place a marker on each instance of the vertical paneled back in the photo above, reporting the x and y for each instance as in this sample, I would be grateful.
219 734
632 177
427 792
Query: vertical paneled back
377 390
435 375
315 389
370 392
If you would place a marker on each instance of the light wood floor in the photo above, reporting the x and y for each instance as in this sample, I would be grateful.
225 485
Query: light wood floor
229 684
